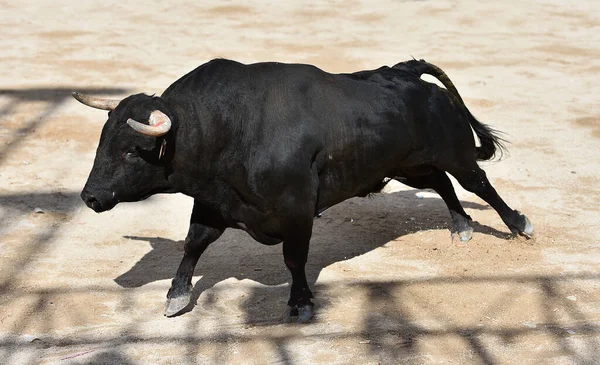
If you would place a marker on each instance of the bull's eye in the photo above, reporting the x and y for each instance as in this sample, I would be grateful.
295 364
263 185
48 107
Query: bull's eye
132 152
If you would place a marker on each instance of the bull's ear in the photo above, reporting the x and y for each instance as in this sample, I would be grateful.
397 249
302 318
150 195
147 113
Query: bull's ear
158 124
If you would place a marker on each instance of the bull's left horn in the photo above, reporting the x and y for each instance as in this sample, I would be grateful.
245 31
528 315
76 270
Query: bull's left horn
159 124
98 103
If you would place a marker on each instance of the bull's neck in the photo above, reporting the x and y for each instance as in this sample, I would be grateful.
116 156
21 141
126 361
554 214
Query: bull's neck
189 169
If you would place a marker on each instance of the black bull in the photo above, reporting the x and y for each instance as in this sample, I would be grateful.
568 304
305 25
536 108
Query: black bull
266 147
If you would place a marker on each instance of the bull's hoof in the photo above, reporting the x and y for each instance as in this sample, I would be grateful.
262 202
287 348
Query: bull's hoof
461 227
302 314
305 313
526 232
464 236
176 305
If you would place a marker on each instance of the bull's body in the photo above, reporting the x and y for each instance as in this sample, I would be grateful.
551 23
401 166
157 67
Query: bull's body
266 147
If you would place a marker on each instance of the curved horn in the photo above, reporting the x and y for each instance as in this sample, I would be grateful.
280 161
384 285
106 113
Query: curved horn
98 103
159 124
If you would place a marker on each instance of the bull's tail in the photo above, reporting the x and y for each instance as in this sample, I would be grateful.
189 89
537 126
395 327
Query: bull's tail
491 142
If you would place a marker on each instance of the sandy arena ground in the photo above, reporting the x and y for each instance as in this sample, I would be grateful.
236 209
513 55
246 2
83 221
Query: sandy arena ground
391 287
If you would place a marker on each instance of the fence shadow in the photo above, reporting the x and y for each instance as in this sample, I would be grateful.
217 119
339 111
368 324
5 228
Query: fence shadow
18 213
394 329
23 204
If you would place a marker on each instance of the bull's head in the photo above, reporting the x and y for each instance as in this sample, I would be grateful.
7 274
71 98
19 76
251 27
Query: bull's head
129 162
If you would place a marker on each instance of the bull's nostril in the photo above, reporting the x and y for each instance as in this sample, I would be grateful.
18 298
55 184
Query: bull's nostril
90 200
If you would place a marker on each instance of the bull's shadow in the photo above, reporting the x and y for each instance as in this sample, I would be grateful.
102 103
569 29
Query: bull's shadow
346 230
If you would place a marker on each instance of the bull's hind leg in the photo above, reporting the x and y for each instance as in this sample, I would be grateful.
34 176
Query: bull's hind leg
439 181
474 179
205 228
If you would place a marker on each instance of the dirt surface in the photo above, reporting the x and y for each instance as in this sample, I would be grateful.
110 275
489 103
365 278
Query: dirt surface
390 285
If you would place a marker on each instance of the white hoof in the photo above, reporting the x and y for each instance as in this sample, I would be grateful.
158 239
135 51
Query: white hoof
464 236
174 306
528 231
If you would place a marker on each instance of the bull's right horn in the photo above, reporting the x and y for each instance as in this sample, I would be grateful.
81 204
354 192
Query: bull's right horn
98 103
159 124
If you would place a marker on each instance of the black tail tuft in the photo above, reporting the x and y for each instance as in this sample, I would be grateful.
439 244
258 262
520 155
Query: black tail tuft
491 143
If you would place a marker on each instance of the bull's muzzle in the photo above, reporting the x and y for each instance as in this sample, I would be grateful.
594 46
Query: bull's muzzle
92 202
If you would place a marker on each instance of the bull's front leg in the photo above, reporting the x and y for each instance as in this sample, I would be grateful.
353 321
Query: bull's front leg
295 254
205 227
